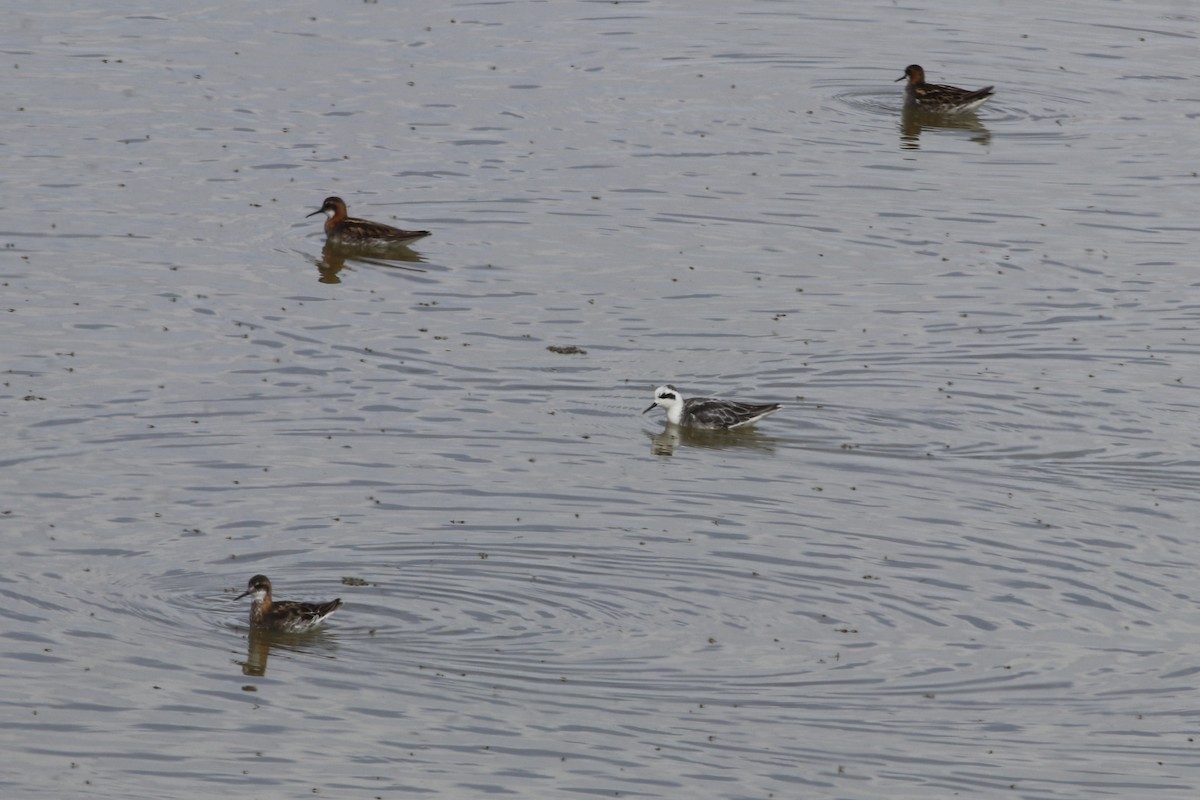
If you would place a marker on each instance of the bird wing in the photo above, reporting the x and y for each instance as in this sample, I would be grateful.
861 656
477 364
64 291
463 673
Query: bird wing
725 413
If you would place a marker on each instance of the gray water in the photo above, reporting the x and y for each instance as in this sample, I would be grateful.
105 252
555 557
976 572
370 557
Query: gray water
960 562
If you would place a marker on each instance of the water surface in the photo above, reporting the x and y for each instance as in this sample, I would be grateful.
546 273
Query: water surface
960 561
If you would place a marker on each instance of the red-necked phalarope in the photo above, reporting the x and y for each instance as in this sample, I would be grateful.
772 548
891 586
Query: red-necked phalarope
342 229
705 412
941 99
286 616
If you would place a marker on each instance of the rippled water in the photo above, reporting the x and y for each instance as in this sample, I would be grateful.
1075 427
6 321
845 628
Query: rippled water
958 563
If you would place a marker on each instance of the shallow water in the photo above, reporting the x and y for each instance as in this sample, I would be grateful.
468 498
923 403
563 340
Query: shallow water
959 562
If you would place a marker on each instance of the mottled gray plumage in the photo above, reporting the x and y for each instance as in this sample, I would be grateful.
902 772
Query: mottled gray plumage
707 412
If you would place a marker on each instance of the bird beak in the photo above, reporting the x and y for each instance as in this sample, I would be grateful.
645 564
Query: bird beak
318 211
902 77
244 594
651 408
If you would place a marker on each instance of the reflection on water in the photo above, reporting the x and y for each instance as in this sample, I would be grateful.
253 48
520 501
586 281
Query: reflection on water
261 642
913 121
673 436
334 257
978 576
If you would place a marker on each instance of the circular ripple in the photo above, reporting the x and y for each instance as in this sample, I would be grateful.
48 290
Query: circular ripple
627 618
1029 104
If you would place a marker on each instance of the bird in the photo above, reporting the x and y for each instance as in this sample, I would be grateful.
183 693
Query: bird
706 412
937 98
283 616
342 229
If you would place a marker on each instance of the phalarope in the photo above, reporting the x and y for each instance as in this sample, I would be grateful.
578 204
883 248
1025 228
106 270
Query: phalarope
938 98
285 616
706 412
342 229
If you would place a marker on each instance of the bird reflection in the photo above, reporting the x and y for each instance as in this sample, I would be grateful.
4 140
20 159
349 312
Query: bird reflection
913 121
262 642
674 436
334 257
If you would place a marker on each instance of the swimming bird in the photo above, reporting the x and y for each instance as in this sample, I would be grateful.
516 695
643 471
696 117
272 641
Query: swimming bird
937 98
342 229
283 616
706 412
